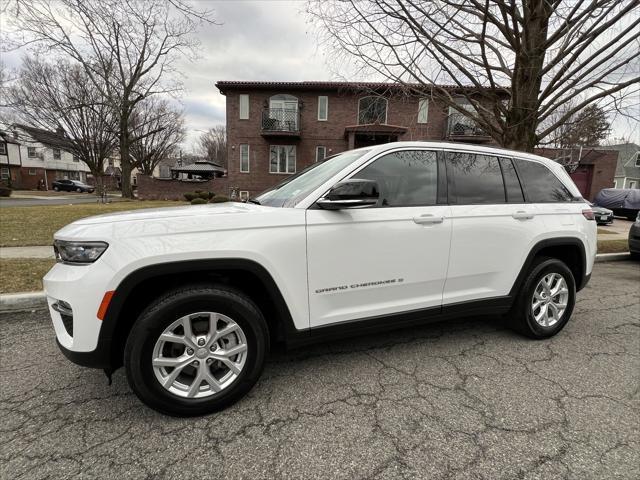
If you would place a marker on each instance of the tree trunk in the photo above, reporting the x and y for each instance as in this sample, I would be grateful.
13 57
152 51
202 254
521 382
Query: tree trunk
522 118
125 159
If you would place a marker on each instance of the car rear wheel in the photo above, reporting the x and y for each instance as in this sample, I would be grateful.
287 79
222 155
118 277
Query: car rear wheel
196 350
79 190
546 300
56 189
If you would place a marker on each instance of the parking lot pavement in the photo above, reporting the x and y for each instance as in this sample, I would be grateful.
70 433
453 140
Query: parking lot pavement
462 400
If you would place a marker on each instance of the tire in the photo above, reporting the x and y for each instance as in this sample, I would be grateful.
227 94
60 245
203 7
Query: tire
634 255
521 317
56 189
144 345
79 190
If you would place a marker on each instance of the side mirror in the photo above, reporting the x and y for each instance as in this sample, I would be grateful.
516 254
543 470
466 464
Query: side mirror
353 193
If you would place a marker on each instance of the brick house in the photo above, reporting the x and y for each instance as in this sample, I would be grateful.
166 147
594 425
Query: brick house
275 129
34 158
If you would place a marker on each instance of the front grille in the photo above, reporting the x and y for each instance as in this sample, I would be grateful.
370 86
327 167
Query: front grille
66 314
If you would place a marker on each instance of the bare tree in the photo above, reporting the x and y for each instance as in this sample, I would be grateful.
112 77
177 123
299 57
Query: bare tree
213 143
128 48
156 130
61 97
522 60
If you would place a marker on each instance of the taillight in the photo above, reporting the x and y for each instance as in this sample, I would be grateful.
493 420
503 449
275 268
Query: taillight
588 214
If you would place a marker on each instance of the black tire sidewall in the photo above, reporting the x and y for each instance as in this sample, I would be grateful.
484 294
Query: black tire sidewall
144 334
545 267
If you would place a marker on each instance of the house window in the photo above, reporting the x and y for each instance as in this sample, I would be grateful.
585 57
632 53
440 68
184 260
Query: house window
637 159
32 171
282 159
323 108
283 113
31 152
244 107
423 110
321 152
372 110
110 162
76 176
244 195
244 158
56 154
4 173
632 184
3 148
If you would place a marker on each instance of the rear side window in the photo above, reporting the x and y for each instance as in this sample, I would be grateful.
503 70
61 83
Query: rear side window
475 179
540 184
406 179
511 182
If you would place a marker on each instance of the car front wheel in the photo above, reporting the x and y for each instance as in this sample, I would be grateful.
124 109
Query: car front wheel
196 350
546 300
56 189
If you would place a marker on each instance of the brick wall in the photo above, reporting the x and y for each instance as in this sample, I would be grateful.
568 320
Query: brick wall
342 112
150 188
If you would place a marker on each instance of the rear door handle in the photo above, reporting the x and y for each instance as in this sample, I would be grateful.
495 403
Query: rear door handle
428 219
522 215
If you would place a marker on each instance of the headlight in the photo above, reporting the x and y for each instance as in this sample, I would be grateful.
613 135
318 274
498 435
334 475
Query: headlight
78 252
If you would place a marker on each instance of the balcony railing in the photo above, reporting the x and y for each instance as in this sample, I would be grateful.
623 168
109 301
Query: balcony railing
459 125
280 121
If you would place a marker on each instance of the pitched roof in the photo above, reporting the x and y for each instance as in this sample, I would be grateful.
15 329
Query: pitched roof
46 137
626 159
200 166
224 85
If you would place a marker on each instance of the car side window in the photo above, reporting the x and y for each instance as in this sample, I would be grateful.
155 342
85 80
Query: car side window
474 179
511 182
407 178
540 184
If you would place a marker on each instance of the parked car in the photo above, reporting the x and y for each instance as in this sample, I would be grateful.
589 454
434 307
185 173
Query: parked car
72 186
625 202
603 215
634 238
189 299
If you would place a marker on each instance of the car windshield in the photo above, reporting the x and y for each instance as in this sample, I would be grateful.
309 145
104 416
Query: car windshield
289 192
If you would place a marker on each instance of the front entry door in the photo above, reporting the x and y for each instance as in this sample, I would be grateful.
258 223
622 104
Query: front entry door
386 259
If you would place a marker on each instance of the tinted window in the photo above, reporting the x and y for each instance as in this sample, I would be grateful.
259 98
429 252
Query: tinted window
540 184
408 178
511 182
476 179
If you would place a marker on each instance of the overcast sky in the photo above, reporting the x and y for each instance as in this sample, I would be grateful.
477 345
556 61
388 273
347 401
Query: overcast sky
260 40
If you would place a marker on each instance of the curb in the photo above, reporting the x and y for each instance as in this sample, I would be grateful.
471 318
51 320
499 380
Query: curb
612 257
20 302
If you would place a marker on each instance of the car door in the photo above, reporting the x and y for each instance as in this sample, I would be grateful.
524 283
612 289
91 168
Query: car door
386 259
492 226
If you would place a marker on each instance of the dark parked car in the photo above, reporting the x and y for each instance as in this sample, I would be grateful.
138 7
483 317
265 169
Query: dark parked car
72 186
634 238
625 202
603 215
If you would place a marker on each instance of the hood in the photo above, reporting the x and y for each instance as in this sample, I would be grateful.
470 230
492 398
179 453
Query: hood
165 213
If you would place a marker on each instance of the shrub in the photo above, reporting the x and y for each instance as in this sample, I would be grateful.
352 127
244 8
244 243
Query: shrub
203 195
211 195
189 196
220 199
5 192
198 201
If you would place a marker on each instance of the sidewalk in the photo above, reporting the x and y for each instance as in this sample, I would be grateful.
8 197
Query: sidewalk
27 252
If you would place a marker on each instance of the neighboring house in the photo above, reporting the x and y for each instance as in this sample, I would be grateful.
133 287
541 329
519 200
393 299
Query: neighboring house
10 161
275 129
200 169
591 168
40 158
628 168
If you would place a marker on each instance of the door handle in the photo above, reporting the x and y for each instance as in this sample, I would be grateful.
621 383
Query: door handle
522 215
428 219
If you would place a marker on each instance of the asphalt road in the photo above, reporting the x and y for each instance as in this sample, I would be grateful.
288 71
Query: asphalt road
462 400
67 199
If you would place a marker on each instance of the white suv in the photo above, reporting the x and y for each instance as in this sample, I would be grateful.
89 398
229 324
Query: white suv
190 298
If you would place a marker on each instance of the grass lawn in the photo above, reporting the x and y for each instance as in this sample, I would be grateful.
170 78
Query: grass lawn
24 226
613 246
23 274
604 231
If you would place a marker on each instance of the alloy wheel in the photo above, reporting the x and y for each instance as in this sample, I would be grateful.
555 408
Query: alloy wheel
550 300
199 355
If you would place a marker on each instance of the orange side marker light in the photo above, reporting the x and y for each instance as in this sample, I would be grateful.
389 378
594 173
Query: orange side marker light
102 311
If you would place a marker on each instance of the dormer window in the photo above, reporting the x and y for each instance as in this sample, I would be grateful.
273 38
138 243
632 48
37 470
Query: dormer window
372 110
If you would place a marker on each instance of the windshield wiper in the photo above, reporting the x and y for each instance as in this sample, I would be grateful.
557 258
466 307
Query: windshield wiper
253 200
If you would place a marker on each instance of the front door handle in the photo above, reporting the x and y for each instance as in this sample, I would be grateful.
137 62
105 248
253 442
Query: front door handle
522 215
428 219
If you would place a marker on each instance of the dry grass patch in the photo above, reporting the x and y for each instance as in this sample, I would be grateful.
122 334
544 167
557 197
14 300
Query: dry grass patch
613 246
604 231
23 274
26 226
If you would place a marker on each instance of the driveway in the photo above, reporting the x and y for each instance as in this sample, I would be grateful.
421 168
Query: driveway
462 400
